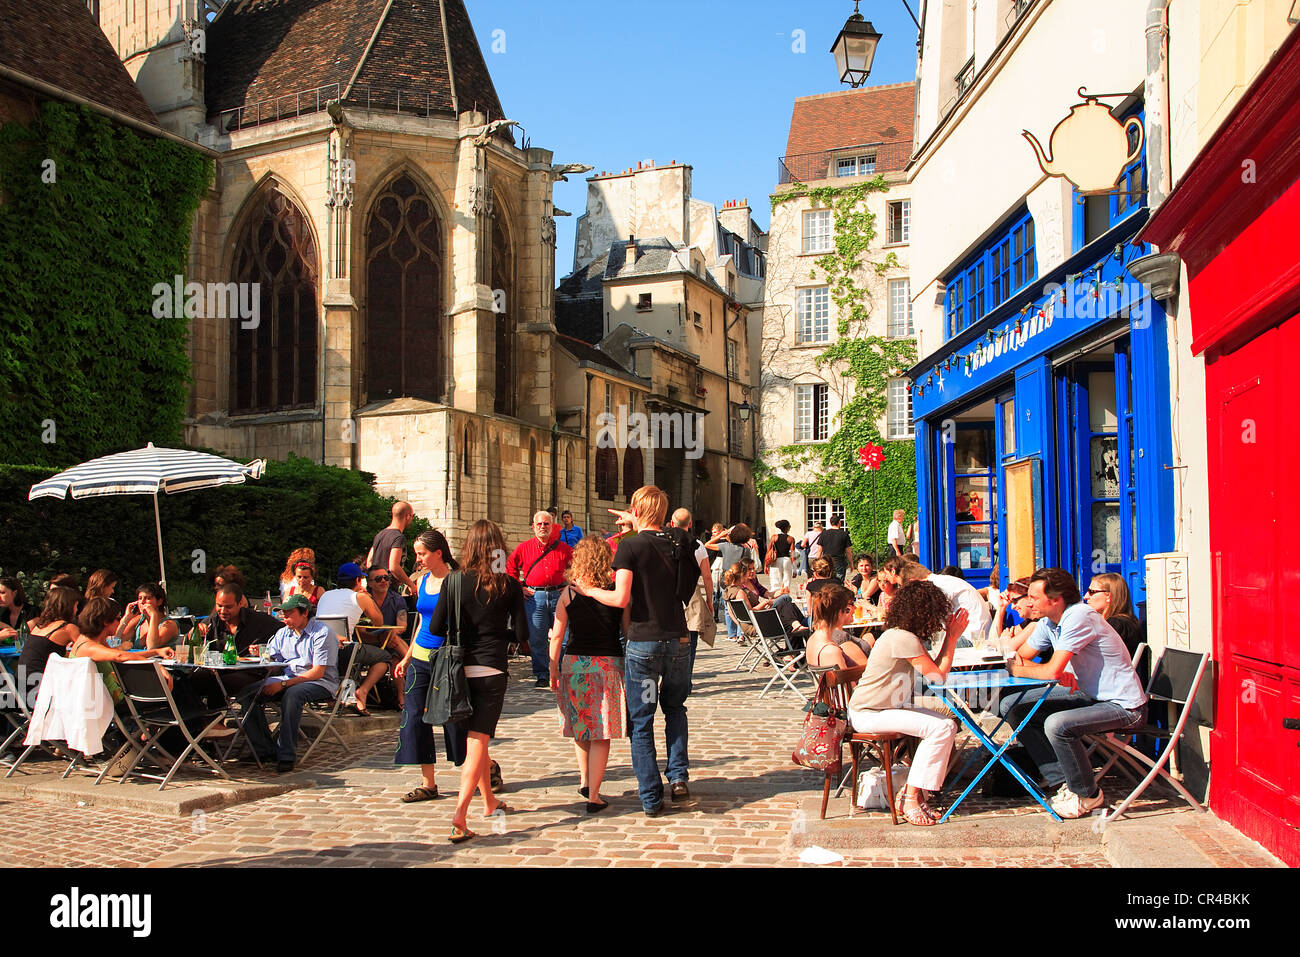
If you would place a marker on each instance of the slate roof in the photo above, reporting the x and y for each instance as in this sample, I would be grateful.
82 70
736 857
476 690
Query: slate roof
259 50
873 114
586 352
60 43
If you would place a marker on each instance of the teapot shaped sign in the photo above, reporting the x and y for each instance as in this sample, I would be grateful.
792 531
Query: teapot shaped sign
1089 147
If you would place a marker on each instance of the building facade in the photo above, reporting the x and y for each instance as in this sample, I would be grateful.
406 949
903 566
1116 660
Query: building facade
670 289
854 139
401 241
1227 224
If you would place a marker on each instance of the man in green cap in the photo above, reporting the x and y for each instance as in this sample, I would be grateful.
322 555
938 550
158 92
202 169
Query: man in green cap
310 652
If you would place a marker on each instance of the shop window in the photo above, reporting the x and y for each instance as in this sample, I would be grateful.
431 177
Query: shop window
974 498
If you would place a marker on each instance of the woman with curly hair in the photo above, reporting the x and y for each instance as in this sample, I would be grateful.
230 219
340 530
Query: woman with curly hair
589 680
491 602
882 701
304 583
287 577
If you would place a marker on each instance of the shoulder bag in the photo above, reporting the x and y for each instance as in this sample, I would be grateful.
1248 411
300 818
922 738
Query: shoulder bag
824 729
447 701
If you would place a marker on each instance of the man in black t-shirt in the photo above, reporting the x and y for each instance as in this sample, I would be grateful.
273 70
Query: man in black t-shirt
389 547
835 546
658 659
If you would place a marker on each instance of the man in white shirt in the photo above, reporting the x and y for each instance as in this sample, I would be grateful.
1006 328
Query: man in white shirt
351 600
961 594
898 537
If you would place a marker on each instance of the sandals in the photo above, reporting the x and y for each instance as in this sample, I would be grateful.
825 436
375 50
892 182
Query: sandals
919 814
421 793
502 808
595 807
459 835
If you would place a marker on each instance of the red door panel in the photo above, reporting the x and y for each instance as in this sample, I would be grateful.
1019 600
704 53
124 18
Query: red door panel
1288 494
1245 513
1289 744
1258 708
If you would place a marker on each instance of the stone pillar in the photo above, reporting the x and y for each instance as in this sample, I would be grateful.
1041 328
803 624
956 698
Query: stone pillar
535 318
471 360
340 322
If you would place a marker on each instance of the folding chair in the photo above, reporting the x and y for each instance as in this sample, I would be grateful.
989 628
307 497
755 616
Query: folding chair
326 711
19 716
739 612
1175 678
337 624
57 712
772 640
154 709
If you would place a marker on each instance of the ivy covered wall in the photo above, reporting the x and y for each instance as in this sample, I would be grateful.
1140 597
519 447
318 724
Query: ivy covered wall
92 215
864 362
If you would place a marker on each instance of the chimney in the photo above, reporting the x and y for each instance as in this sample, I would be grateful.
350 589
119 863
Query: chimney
630 259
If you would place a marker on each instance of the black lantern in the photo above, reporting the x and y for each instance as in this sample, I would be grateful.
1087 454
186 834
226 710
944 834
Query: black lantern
743 410
855 49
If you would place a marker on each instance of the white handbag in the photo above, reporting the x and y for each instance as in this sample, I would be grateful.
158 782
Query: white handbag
872 795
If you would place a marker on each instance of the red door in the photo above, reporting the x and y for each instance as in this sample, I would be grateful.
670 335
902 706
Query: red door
1255 532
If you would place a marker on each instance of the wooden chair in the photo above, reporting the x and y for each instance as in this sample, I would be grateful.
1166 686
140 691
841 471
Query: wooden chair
839 685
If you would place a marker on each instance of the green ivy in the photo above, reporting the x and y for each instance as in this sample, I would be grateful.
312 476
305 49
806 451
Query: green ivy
869 497
85 368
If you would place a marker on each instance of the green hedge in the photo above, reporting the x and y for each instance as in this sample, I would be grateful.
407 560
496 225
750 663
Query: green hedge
254 526
92 216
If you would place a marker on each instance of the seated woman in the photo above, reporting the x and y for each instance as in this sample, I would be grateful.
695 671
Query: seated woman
50 633
743 585
97 621
1107 595
882 701
830 645
304 583
146 624
822 570
863 581
14 608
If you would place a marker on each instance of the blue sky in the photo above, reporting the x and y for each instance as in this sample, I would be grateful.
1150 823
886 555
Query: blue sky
710 83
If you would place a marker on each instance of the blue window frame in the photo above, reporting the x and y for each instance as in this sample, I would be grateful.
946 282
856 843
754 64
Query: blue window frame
997 272
1095 215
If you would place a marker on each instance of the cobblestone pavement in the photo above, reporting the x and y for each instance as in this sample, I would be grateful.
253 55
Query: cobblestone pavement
348 811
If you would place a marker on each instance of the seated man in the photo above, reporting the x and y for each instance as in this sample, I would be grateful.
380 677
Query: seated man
311 652
351 601
1102 694
234 617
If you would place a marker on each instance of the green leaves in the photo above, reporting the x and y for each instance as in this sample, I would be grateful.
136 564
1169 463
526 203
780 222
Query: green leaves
78 260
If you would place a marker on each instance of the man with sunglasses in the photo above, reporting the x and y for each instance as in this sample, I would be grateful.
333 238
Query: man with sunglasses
539 565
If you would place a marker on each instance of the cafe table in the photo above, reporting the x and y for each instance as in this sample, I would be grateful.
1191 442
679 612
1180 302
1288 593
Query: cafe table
954 691
247 666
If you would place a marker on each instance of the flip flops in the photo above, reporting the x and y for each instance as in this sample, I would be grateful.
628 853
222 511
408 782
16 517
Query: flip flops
459 835
421 793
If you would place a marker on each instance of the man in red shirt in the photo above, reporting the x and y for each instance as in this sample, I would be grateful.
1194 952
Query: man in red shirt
539 565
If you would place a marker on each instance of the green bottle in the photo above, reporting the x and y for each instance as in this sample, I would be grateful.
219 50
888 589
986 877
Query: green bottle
230 655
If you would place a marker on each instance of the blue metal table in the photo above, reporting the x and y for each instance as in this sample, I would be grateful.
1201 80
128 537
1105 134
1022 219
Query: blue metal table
953 691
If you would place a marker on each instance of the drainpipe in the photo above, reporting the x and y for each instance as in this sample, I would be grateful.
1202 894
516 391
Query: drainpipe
1156 102
588 469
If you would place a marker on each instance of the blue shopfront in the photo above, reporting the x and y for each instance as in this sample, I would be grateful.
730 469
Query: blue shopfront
1043 431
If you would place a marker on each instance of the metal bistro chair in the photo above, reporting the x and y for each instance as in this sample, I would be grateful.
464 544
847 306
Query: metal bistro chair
57 712
154 710
1175 678
773 640
739 612
326 711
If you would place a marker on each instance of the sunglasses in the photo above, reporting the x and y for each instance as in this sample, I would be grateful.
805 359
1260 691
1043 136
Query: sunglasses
379 578
1095 591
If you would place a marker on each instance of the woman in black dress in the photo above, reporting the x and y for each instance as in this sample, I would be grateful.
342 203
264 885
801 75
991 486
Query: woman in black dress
14 609
490 615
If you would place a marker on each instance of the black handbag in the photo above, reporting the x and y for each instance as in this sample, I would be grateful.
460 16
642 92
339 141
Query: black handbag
448 697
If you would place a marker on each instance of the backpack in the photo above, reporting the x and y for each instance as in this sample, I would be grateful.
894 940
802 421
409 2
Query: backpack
678 544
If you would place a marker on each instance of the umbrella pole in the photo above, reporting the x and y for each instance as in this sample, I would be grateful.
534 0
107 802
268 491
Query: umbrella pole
157 524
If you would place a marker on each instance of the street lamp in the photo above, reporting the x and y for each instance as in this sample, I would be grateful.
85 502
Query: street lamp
743 410
855 49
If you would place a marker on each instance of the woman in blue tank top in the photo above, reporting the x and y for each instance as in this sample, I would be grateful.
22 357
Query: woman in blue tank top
415 744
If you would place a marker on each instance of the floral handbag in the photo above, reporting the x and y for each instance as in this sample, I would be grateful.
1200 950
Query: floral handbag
824 730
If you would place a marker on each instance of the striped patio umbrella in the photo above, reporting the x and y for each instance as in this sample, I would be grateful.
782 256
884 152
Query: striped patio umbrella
147 471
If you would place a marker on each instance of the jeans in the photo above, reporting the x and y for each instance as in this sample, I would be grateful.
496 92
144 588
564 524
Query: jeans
657 671
292 701
540 609
800 562
1054 738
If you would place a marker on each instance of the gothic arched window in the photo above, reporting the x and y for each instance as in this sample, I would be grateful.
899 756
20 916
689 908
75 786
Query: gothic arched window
404 304
506 315
273 363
